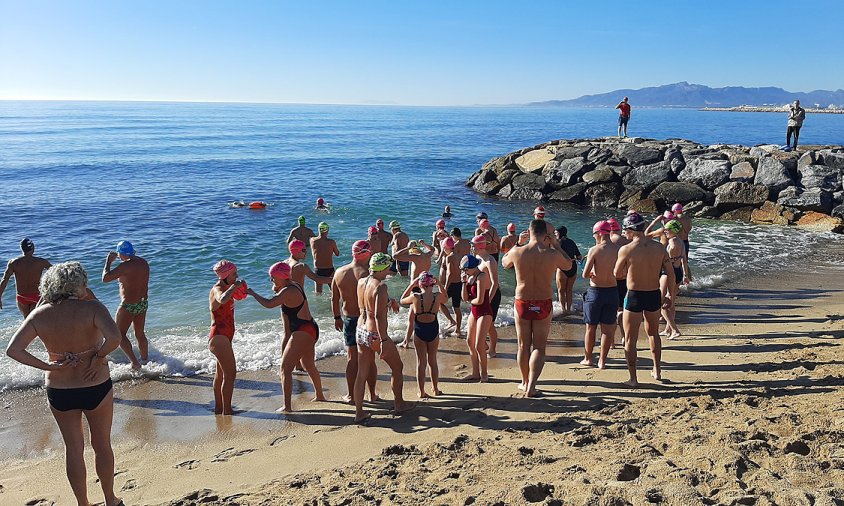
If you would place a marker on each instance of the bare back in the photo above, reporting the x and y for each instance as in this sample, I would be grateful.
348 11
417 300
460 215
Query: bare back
324 250
301 233
686 221
133 278
643 260
601 261
462 248
27 271
373 307
535 266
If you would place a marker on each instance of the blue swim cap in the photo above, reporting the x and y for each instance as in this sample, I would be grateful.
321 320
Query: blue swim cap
125 248
470 262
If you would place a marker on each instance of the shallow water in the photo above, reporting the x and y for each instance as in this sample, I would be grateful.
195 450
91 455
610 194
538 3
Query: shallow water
78 177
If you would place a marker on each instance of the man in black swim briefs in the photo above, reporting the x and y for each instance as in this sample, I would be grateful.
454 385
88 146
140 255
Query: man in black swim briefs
641 262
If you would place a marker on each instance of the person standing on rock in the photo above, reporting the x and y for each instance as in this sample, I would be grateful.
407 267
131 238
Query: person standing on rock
535 265
641 262
623 116
796 115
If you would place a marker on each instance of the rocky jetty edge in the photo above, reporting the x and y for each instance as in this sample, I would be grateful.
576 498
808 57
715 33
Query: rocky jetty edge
760 184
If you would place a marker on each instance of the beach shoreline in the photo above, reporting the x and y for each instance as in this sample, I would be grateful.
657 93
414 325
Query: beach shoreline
169 445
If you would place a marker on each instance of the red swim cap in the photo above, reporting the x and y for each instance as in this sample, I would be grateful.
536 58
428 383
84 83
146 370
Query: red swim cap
448 242
667 215
614 226
320 201
361 249
372 230
296 246
511 227
484 224
601 228
479 240
223 268
440 223
677 208
280 270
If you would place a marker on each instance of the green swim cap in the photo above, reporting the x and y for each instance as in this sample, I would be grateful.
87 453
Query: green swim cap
379 261
395 224
673 226
412 244
301 220
323 226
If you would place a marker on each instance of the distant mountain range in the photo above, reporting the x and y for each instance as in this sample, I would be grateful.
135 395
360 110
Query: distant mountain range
697 95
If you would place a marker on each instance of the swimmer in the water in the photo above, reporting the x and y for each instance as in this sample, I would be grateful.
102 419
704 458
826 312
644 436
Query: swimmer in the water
321 205
385 237
447 212
374 240
301 232
238 203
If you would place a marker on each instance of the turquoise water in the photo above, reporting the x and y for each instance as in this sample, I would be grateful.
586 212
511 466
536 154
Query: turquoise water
78 177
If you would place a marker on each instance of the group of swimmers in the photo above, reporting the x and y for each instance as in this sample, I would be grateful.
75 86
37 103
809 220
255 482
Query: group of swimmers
632 279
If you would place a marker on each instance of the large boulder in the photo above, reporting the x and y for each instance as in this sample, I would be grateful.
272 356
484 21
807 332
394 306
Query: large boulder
573 194
735 195
566 172
739 214
487 187
669 192
708 174
598 156
638 155
507 176
772 173
529 181
599 175
819 176
838 211
675 160
833 159
743 171
564 153
535 160
763 150
821 222
525 194
603 195
505 191
648 176
772 214
631 199
814 199
809 158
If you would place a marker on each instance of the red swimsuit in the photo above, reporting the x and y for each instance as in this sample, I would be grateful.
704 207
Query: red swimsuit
482 309
222 320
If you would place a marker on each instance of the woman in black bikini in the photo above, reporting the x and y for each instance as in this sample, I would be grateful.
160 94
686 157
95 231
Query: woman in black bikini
300 331
426 328
78 333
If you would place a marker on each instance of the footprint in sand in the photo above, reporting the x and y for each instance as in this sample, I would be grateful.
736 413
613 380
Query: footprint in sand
188 464
129 485
280 439
230 453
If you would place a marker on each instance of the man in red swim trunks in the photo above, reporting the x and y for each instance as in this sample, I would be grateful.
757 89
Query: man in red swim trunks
535 264
27 270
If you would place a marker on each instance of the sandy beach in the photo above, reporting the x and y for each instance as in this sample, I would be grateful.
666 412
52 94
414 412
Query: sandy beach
750 412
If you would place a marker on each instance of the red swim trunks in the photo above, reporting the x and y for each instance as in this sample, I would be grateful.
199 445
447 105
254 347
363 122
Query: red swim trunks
534 309
28 298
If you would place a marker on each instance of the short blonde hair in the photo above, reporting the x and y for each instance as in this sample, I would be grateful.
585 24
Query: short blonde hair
62 281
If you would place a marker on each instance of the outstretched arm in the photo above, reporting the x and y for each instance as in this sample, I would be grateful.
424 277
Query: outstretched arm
267 303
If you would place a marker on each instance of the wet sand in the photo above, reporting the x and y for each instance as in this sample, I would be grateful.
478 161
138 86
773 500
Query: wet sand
749 412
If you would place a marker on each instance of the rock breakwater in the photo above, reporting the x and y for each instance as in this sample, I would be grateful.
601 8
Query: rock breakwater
760 184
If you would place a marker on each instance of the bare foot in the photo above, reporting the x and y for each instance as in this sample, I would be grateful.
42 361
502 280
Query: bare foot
404 344
471 378
136 366
674 336
602 364
521 386
347 399
484 378
424 395
374 398
665 332
319 398
363 416
491 354
657 375
632 383
117 502
403 407
284 409
533 393
586 362
437 392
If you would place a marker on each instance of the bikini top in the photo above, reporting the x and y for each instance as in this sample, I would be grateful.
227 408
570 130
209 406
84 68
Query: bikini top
292 313
70 358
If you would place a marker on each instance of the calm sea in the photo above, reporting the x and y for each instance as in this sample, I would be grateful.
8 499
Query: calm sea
80 176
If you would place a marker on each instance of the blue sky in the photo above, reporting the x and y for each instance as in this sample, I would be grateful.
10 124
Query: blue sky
402 52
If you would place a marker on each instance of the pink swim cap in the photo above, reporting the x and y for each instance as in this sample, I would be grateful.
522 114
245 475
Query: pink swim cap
448 242
296 246
668 215
614 226
361 249
511 227
484 224
601 228
479 240
440 223
320 201
677 208
372 230
223 268
427 279
280 270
